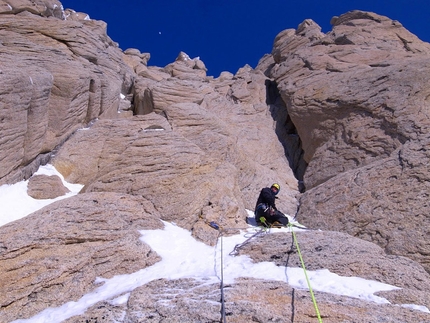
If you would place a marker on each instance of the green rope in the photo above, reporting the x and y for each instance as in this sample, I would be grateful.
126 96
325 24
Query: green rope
306 275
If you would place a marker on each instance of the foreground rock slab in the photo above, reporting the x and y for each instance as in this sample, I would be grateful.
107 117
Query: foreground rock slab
59 252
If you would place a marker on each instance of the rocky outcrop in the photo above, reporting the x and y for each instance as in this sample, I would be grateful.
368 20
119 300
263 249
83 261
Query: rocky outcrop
185 68
225 119
135 157
57 253
339 116
43 8
66 72
190 167
356 95
358 99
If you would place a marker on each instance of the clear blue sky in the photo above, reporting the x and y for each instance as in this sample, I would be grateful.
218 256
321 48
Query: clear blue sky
227 34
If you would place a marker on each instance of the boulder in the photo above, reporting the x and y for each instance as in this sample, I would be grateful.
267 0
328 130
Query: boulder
46 187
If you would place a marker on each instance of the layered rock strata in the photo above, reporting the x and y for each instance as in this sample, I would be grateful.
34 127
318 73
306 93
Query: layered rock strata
342 117
358 97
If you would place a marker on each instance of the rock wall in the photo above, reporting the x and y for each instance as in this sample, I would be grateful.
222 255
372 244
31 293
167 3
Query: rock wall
358 97
342 117
58 73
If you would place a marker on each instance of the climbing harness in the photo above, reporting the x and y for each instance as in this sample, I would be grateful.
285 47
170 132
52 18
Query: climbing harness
306 274
262 206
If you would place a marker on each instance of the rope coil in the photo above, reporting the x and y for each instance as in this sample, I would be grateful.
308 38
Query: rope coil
236 248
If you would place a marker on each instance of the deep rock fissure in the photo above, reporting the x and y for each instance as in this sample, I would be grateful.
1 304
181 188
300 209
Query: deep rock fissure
286 132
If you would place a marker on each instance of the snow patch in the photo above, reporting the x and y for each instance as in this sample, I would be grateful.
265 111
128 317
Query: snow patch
16 203
188 258
416 307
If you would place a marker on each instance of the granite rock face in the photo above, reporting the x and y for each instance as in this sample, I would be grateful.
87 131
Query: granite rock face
56 76
133 157
248 300
340 120
358 97
56 254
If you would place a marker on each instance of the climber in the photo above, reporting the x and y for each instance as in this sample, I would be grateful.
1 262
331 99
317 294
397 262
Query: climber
266 212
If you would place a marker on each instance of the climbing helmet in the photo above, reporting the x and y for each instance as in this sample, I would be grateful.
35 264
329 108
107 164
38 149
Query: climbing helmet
276 185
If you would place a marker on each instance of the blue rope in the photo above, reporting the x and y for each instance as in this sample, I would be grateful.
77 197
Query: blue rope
222 286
